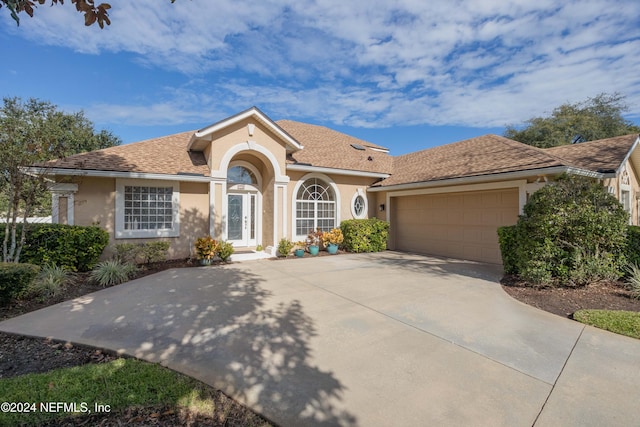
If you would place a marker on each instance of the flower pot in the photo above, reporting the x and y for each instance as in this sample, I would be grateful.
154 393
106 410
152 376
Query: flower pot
299 253
313 250
332 248
205 261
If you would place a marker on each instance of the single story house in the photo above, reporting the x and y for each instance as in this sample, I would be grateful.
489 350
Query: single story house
251 180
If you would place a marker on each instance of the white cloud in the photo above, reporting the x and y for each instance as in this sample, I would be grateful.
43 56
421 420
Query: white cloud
367 62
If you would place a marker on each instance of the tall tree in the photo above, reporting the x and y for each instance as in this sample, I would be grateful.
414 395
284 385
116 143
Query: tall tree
596 118
31 132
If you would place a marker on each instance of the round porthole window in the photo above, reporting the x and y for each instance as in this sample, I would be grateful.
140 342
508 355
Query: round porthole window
359 205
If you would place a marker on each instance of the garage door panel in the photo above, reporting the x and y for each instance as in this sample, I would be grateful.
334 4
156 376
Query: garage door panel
454 202
473 235
458 225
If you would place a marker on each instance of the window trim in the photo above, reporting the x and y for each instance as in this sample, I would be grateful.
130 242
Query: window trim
294 199
121 233
625 188
365 209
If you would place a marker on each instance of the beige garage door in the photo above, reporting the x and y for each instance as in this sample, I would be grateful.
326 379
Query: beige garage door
457 225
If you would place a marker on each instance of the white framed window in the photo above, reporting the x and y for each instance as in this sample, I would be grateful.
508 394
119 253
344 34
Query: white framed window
625 193
315 207
241 174
359 205
147 208
625 199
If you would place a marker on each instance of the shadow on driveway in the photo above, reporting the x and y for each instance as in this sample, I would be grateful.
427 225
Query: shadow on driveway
438 266
213 324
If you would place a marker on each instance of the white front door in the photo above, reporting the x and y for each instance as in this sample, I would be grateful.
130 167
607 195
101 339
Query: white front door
242 214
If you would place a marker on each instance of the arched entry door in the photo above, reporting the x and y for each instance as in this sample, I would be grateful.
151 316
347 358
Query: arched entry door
243 200
242 217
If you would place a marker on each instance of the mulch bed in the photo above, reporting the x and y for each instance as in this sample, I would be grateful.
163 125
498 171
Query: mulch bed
565 301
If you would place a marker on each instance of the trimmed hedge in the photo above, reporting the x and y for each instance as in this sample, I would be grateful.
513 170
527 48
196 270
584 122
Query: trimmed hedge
507 236
365 235
633 245
74 247
508 241
15 278
572 232
148 252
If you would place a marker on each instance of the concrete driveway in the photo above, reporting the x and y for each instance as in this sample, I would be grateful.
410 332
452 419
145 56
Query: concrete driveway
367 340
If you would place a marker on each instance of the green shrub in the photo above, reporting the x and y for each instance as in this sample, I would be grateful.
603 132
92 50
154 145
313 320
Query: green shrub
112 272
154 251
632 252
508 241
536 273
74 247
618 321
142 253
50 281
15 279
284 247
365 235
225 250
127 252
572 232
592 267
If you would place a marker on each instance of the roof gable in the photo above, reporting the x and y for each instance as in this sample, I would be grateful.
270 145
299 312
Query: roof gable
205 134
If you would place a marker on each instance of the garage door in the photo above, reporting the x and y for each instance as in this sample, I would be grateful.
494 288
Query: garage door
457 225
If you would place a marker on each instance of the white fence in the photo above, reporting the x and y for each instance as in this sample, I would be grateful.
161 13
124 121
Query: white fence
32 220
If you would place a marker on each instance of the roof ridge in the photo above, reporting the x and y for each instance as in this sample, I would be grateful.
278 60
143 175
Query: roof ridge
594 142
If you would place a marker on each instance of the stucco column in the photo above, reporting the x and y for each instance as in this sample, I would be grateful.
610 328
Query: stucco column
216 186
280 211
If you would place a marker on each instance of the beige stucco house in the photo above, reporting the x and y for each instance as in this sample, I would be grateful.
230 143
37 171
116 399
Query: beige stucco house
252 181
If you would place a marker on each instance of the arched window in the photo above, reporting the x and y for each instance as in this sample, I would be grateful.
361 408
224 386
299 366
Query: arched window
315 207
241 175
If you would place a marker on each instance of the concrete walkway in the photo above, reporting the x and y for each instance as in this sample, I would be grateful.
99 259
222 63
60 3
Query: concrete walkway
367 340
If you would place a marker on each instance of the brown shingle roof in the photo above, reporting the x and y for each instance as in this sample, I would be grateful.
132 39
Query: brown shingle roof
324 147
164 155
328 148
601 156
484 155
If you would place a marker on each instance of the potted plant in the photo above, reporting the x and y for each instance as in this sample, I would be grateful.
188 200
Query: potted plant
313 241
332 240
206 249
298 249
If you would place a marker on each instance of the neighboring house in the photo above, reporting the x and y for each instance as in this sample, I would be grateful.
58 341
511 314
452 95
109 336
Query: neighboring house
250 180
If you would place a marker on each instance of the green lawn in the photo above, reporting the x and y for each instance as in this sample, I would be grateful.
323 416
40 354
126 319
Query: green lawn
618 321
119 384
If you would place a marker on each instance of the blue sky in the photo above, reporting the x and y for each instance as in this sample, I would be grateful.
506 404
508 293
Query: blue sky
405 74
